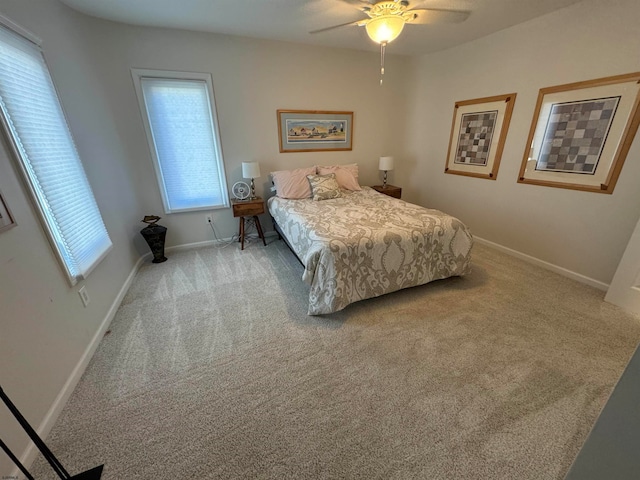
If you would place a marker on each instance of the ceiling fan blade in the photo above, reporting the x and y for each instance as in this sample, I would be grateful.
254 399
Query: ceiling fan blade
360 3
436 15
356 22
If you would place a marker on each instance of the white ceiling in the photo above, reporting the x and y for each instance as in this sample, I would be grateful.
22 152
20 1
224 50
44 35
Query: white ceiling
292 20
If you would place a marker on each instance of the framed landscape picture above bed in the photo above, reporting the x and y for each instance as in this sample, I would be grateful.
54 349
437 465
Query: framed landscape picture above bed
581 133
314 130
478 132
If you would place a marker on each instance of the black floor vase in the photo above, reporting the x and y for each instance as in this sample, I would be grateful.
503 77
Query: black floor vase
155 236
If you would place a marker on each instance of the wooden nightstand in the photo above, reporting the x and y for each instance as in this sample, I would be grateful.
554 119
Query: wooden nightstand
248 208
391 190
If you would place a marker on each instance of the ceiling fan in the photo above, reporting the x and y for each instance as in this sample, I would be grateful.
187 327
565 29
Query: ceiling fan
387 19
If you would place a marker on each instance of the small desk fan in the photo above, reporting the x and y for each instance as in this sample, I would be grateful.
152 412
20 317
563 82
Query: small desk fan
240 190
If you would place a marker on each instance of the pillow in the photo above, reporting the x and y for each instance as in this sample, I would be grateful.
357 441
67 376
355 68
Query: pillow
293 183
346 175
324 187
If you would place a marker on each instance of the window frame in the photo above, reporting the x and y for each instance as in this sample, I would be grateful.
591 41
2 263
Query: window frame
138 74
28 180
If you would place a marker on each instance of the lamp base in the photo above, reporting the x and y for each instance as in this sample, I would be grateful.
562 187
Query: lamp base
93 474
253 191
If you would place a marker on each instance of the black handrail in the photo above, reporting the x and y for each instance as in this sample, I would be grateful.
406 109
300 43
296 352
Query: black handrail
93 474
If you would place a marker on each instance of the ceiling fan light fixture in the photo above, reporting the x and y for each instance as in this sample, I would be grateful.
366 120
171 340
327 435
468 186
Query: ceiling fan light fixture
385 28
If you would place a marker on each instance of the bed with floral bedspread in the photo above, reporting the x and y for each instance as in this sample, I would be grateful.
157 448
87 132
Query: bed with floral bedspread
365 244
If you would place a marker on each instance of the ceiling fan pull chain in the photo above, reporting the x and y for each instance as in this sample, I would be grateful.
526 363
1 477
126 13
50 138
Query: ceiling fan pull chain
382 50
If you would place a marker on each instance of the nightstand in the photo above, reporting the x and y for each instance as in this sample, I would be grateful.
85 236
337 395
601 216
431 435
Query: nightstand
391 190
248 208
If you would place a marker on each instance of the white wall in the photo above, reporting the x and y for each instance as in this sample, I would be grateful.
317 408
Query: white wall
44 329
579 231
252 79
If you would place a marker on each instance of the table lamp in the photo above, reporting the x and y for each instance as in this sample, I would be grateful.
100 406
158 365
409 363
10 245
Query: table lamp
386 164
251 170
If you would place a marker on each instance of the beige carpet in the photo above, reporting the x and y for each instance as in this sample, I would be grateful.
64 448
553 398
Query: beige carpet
213 370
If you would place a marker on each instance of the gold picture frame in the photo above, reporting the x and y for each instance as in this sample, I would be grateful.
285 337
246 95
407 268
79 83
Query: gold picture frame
478 132
314 130
6 218
581 133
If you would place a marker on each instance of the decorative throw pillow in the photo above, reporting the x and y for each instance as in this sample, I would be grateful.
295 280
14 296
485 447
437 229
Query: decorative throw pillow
346 175
324 187
293 183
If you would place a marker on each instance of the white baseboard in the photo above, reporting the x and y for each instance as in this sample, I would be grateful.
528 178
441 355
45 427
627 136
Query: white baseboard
187 246
52 415
207 243
549 266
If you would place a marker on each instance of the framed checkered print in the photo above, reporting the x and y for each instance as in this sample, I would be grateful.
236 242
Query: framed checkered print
581 133
477 136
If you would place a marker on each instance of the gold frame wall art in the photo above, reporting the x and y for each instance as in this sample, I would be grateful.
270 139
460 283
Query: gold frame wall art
314 130
478 133
581 133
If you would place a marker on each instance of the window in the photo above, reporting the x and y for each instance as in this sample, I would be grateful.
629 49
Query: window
178 111
33 118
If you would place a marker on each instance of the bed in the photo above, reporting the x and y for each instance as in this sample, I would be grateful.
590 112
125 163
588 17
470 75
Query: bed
364 244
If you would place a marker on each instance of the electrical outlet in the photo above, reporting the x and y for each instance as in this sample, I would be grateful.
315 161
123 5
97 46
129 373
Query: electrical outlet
209 219
84 295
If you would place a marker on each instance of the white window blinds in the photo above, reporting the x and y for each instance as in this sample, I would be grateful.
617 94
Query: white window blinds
179 116
36 124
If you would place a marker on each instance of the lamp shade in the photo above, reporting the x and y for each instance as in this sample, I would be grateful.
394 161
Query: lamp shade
386 163
250 169
385 28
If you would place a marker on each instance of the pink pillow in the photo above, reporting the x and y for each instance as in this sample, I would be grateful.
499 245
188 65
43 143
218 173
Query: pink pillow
346 175
293 183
